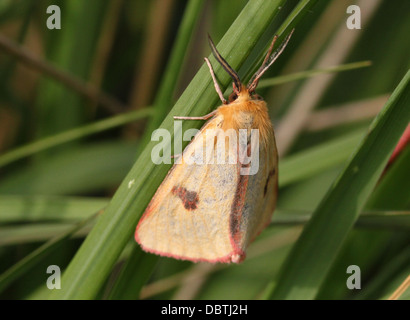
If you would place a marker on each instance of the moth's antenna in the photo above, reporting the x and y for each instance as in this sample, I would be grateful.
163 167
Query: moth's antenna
226 66
217 88
268 61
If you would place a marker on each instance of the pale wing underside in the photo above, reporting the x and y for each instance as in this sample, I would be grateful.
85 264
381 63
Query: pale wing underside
188 218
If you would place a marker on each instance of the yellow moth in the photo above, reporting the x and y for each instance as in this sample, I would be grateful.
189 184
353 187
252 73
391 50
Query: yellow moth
210 210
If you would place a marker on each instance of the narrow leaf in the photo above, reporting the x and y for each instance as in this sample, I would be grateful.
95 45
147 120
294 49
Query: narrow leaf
309 261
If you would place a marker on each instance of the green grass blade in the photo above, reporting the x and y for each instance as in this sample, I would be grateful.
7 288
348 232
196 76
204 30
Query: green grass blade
35 232
368 249
314 160
128 285
96 165
393 191
398 266
396 220
18 209
310 73
90 267
73 134
25 265
313 254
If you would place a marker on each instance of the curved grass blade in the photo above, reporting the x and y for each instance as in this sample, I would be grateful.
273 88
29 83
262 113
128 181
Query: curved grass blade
73 134
310 73
396 220
314 160
130 282
23 208
393 191
25 265
309 261
61 172
35 232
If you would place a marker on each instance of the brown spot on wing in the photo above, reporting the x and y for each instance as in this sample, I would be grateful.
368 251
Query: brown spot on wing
189 198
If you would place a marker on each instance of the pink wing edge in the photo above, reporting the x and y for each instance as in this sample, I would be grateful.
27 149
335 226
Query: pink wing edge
236 256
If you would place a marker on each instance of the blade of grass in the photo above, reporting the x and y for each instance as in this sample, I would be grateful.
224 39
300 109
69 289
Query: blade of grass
310 73
396 220
11 235
314 160
379 287
312 256
128 285
22 208
73 134
24 265
60 173
88 270
393 191
369 249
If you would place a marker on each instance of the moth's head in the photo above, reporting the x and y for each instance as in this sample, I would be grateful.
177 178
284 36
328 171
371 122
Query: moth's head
244 94
240 90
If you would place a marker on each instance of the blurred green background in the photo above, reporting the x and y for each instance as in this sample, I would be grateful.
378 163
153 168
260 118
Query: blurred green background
78 105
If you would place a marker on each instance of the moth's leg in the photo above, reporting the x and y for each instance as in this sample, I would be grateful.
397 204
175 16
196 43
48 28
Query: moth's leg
217 88
205 117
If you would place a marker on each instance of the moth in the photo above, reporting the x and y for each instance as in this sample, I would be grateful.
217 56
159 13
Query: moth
212 210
